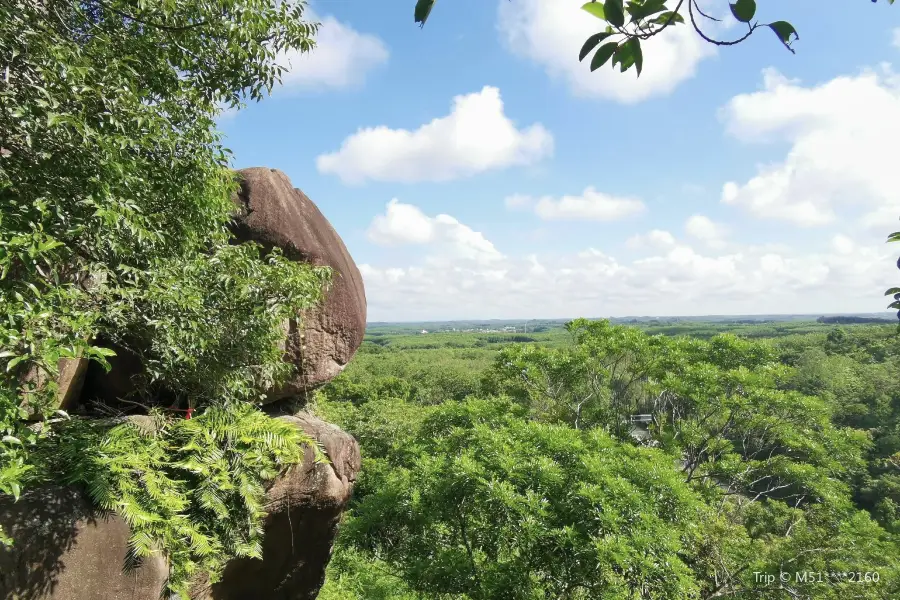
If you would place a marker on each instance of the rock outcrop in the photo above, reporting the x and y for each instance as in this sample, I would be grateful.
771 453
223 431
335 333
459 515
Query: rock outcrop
65 551
274 213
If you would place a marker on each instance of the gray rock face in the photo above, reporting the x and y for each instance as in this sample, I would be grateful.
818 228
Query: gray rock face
64 551
274 213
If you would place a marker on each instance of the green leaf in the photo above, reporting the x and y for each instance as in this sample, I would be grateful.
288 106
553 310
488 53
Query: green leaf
894 237
637 54
743 10
639 11
602 55
596 9
893 290
624 57
615 12
667 18
9 439
423 9
12 364
591 43
784 31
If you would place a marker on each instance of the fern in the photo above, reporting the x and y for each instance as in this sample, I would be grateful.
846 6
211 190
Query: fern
192 488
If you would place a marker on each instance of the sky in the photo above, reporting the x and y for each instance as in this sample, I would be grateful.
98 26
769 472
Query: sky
476 170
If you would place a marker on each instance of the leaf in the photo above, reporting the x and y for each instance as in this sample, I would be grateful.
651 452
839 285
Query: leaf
893 290
11 364
637 54
784 31
8 439
602 55
423 9
894 237
591 43
103 351
667 17
624 57
596 9
615 12
743 10
639 10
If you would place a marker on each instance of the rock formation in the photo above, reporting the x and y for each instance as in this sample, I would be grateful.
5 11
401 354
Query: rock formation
66 551
320 344
274 213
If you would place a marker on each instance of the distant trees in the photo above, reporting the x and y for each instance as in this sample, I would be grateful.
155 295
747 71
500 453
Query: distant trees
516 491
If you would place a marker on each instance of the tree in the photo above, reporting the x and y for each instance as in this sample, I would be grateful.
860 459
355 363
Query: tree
493 506
115 200
633 21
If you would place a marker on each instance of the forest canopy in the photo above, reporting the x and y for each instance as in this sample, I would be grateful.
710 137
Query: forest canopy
602 461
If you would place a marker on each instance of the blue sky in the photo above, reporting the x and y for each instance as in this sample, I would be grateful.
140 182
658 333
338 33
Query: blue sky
475 169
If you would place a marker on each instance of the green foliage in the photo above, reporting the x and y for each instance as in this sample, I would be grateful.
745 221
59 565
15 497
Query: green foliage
788 451
191 488
496 507
115 200
635 21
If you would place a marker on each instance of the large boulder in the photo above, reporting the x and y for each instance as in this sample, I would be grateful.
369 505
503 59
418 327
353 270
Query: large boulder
274 213
304 511
323 340
65 551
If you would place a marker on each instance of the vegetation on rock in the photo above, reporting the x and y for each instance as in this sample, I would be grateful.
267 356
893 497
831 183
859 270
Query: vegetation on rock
115 200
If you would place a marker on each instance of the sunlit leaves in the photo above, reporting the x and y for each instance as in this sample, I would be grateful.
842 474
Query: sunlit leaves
116 198
193 488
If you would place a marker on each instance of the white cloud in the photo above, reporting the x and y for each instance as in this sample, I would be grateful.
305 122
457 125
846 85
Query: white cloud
551 33
401 224
476 136
404 224
895 37
844 135
706 230
342 57
591 205
676 279
656 239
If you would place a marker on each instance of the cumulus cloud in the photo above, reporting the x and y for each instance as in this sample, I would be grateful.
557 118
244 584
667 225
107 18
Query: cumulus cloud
676 279
551 33
591 205
342 57
476 136
843 136
404 224
706 230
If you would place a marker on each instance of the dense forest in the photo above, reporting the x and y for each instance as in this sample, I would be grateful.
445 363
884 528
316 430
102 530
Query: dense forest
612 461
